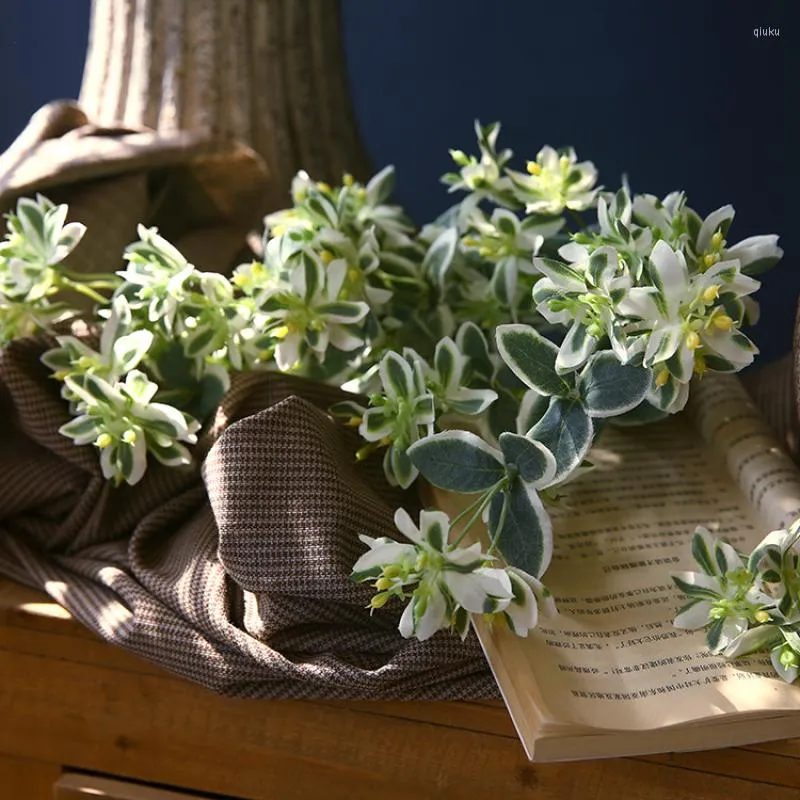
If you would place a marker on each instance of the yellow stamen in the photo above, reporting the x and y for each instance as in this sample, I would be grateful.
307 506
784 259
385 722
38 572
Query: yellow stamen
693 340
711 294
281 333
348 179
723 322
353 422
326 256
103 441
60 374
709 259
323 187
383 583
129 437
279 230
700 366
761 616
392 571
662 378
716 240
563 162
534 168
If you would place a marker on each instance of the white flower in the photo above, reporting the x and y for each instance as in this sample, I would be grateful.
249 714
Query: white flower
556 182
123 422
719 596
522 613
687 317
450 580
312 313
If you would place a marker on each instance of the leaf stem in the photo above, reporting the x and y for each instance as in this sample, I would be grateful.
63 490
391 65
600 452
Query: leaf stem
500 524
481 503
83 289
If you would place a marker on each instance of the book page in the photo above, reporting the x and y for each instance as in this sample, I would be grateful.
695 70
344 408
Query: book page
730 421
611 659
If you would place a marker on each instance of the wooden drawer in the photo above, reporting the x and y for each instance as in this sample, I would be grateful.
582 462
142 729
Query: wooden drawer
78 786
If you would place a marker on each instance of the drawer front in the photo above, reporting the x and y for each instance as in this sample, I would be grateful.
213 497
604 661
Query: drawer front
77 786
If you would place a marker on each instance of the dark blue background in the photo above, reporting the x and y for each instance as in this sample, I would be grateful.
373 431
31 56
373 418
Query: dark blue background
676 95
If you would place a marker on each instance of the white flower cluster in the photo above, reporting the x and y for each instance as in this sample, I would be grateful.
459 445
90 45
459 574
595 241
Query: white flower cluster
444 583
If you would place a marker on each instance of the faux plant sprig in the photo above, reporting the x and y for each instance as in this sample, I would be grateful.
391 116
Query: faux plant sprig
37 241
746 603
493 343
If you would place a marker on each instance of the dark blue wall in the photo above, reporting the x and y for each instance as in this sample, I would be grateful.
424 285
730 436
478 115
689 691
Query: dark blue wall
677 95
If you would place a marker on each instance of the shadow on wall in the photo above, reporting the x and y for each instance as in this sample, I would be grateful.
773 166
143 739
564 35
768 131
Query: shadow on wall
690 95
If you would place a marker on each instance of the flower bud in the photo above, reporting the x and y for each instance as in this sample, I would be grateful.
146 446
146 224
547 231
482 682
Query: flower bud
379 601
326 256
129 437
693 340
709 259
717 240
460 157
761 616
383 583
348 179
103 440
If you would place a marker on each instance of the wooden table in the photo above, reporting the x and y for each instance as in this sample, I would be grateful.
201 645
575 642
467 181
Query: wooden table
80 718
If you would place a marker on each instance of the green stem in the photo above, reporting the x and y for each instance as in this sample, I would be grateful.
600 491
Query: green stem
500 524
83 289
484 500
89 277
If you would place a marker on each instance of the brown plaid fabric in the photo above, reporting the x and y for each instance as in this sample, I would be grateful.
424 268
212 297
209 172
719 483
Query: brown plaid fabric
236 578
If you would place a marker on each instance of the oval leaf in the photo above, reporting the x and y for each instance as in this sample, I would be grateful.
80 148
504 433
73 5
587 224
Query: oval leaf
531 357
609 388
536 464
457 461
526 538
566 431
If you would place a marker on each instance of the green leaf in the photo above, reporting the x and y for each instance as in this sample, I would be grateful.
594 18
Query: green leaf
526 538
439 256
457 461
609 388
83 427
562 275
380 186
199 341
447 361
401 466
577 346
566 431
531 357
702 555
535 463
130 349
643 414
396 376
532 408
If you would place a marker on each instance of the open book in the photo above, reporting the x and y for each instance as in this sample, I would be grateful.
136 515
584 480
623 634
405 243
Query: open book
610 675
